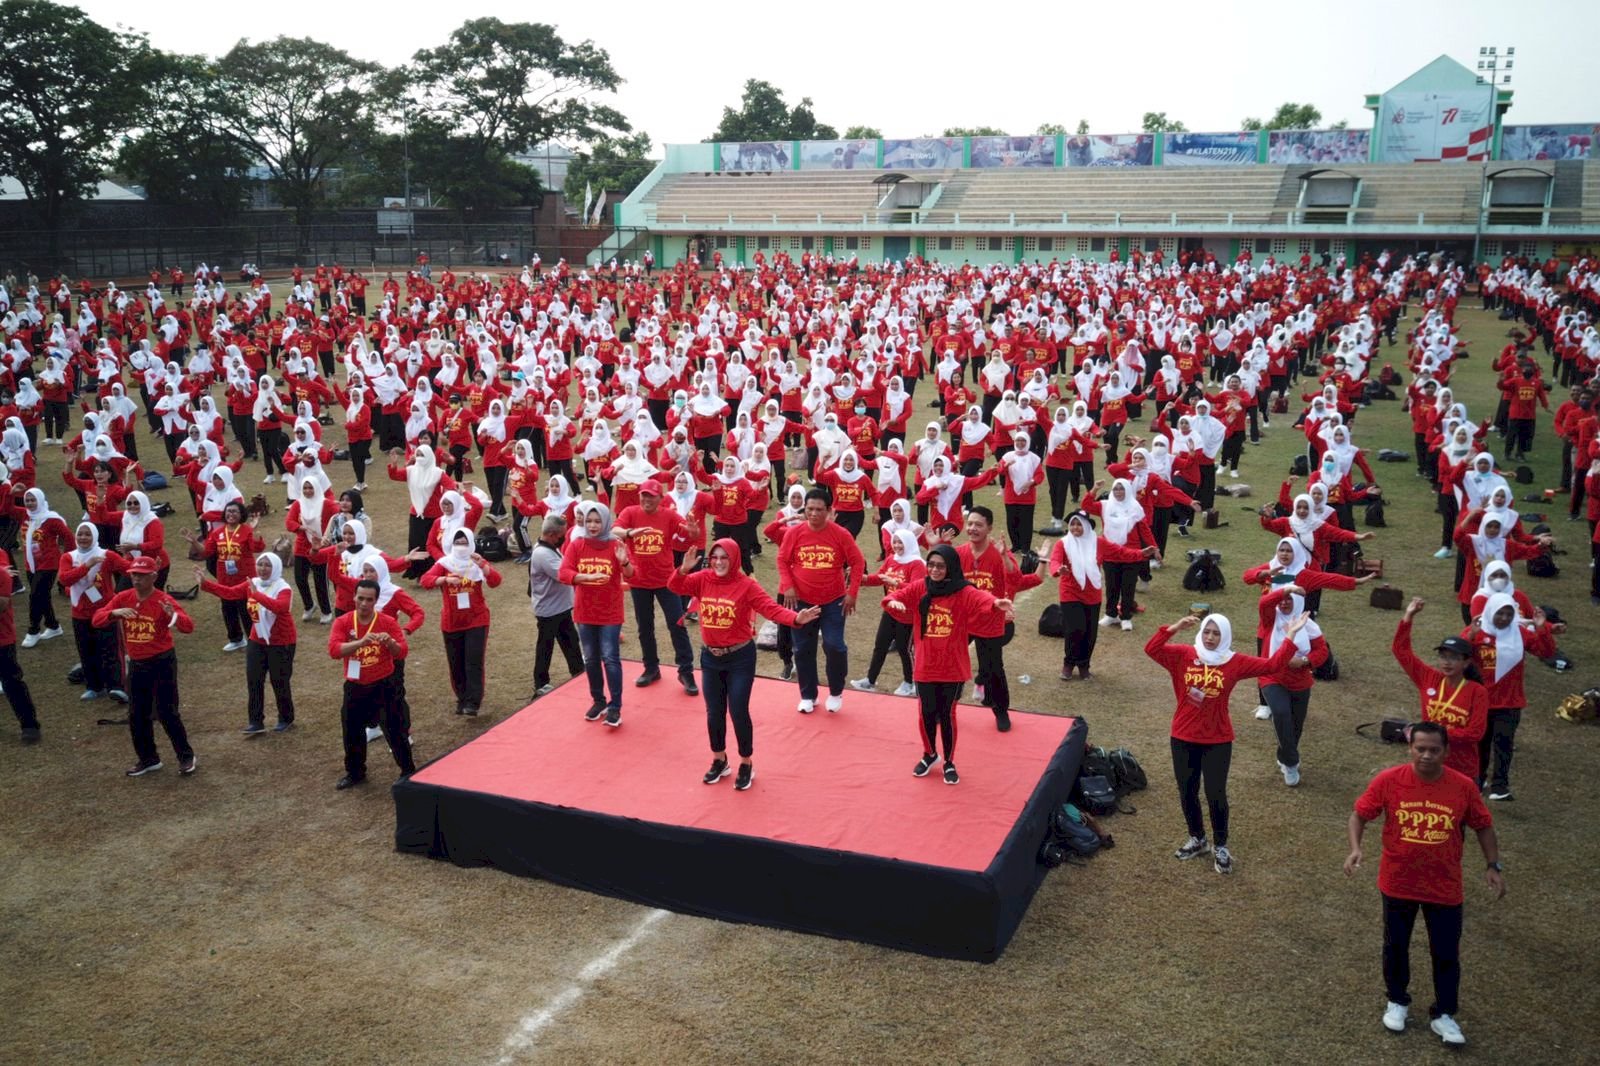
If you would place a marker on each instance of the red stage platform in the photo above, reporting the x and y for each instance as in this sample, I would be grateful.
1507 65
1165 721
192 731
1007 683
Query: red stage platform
830 838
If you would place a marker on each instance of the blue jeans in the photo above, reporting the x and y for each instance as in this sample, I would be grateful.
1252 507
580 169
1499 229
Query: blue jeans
602 650
725 682
835 655
644 622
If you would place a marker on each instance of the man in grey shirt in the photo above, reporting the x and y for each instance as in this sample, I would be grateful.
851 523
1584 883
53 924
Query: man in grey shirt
552 606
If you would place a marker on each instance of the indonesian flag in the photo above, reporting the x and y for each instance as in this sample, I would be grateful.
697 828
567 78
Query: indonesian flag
1476 150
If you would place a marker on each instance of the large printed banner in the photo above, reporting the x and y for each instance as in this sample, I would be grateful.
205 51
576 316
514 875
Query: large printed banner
1110 149
1431 127
1014 151
923 153
1210 149
1318 146
755 155
838 155
1548 142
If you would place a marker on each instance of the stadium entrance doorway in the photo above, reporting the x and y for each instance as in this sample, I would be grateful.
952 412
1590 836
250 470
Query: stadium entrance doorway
896 249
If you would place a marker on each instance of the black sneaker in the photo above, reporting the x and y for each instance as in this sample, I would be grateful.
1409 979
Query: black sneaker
140 769
747 774
1183 531
31 736
719 770
1192 847
649 677
924 765
254 729
596 709
686 679
1501 795
349 781
614 717
1002 719
950 775
788 672
283 727
470 711
188 766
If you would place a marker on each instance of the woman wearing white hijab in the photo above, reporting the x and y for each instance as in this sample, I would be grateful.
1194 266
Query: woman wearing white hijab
220 490
1485 537
463 577
425 480
1021 474
1501 641
45 539
88 574
272 640
270 414
1123 525
1079 559
1203 677
31 406
1287 692
900 567
307 519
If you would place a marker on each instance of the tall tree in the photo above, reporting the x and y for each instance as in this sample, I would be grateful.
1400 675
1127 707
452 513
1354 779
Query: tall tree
68 87
615 164
973 131
1083 126
496 88
1158 122
1047 129
764 115
862 133
181 152
302 105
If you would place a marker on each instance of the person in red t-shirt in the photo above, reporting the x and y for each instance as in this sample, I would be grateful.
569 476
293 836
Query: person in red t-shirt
1426 809
1452 691
652 533
370 643
1203 677
729 601
594 563
819 563
942 610
148 616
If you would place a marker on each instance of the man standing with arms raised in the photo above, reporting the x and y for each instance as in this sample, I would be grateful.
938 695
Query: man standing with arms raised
819 565
148 616
1426 809
369 642
651 533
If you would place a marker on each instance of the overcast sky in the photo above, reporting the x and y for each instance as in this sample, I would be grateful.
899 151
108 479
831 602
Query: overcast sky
911 68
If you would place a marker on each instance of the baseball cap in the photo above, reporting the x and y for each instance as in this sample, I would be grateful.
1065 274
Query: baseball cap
652 487
144 564
1455 646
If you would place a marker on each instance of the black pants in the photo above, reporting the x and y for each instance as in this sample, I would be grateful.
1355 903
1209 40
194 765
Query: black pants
363 704
1497 746
41 610
1232 451
937 700
275 662
97 651
725 682
235 617
464 651
152 694
1082 479
244 431
1059 478
55 419
496 477
273 446
360 456
892 636
1120 580
17 689
1019 525
1207 496
417 537
553 630
307 573
1080 625
991 672
1288 719
1193 763
851 522
1519 436
644 621
1444 948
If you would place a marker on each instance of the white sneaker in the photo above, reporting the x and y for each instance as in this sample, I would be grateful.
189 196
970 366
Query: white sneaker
1394 1017
1263 712
308 614
327 619
89 694
1291 775
1107 621
834 703
1127 625
50 634
268 480
1222 860
1233 473
1443 553
807 706
234 645
373 733
30 640
1155 564
1447 1030
863 685
906 689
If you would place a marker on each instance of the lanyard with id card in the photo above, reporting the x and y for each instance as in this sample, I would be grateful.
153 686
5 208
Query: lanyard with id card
352 665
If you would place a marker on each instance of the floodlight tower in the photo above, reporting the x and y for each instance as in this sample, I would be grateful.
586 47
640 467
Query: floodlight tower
1494 70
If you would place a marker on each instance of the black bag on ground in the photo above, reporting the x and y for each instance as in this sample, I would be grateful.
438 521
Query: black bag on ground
1050 621
1390 730
492 546
1300 467
1524 475
1130 775
1375 517
1329 670
1068 835
1543 565
1099 797
1204 575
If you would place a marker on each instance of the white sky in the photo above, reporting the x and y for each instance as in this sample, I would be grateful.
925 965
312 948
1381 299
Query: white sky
1013 66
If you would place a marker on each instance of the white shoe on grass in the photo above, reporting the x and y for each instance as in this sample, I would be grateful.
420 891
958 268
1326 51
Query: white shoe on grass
906 689
861 684
1447 1030
1394 1016
1263 712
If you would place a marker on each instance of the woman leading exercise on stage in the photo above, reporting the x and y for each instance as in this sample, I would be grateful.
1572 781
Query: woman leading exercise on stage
729 600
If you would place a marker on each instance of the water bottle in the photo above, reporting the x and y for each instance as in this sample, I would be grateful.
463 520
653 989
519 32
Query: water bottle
1026 679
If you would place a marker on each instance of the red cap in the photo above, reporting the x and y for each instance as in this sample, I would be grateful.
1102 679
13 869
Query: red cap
144 564
652 486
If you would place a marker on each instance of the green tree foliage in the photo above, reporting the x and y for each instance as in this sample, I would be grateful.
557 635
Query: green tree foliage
973 131
862 133
68 87
1158 122
1047 129
764 115
1083 126
301 107
496 88
1289 116
615 164
181 152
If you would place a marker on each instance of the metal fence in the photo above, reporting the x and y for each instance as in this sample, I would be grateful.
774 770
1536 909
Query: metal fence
134 252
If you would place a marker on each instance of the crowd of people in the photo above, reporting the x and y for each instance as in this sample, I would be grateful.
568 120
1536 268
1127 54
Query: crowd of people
653 433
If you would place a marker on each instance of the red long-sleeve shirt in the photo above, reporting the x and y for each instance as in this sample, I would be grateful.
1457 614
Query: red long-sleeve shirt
728 605
1202 691
150 634
940 648
1461 707
596 604
282 631
370 663
464 603
652 538
1070 591
104 587
1507 692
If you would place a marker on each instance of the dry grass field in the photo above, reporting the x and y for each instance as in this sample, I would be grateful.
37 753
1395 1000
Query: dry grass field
250 914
